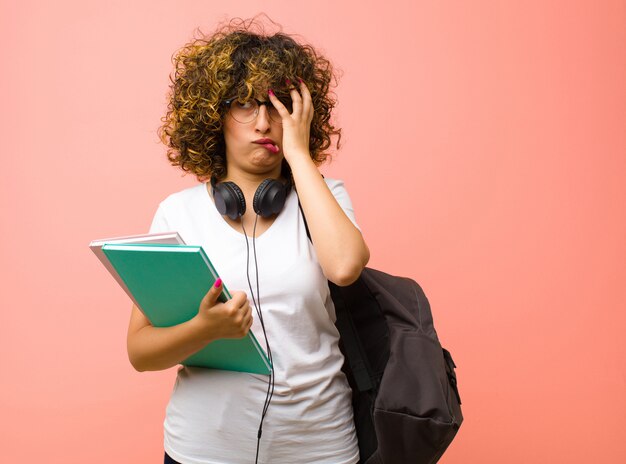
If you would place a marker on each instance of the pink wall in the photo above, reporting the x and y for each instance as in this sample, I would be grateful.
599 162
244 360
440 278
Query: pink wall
485 152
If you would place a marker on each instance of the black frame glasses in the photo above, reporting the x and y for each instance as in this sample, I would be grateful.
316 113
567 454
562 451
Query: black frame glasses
271 111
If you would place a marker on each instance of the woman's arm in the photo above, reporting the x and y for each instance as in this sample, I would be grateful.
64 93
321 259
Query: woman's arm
339 245
157 348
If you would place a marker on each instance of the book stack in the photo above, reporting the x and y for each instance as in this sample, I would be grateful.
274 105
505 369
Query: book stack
167 280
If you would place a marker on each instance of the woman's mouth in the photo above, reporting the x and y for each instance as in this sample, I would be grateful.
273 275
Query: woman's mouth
268 144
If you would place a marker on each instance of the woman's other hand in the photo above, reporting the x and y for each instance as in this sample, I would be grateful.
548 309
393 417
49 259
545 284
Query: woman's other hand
156 348
297 124
232 319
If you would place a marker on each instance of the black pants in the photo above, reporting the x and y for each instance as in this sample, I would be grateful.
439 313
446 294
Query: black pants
168 460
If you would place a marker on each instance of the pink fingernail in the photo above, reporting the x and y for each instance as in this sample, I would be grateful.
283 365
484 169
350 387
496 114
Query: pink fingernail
218 282
300 80
271 92
287 81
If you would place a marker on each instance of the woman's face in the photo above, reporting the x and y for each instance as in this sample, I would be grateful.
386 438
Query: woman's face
254 147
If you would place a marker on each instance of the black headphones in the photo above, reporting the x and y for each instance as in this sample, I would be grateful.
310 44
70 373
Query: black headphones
269 198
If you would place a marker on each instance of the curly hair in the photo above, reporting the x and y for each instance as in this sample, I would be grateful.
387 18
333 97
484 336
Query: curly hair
235 62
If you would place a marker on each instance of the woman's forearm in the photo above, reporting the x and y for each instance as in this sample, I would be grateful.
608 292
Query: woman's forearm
157 348
340 248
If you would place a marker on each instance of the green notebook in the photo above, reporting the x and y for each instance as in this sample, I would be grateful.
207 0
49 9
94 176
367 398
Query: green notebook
168 282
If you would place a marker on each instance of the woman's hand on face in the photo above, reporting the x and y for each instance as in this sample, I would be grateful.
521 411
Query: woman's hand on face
297 124
232 319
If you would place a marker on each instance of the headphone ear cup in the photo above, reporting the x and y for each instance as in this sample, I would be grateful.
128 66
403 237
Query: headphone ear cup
229 199
269 198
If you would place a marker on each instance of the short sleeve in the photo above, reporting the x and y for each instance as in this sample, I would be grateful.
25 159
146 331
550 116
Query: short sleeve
159 222
340 193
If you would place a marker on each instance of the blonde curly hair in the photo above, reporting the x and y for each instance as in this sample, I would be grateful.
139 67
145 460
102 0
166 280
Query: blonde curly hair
239 61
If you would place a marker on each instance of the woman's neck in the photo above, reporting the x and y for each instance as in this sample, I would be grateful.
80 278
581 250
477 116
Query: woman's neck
249 182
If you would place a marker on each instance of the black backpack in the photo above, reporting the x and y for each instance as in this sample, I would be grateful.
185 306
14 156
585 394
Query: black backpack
404 391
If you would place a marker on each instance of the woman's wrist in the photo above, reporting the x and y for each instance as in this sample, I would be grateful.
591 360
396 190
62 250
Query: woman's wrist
200 330
301 164
293 156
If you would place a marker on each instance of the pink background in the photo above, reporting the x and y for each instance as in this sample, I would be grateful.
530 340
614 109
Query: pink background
485 153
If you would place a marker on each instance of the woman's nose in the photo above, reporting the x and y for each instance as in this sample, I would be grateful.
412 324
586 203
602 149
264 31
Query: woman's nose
263 119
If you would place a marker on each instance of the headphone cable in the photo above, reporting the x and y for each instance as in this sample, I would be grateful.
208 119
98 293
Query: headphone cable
257 305
271 392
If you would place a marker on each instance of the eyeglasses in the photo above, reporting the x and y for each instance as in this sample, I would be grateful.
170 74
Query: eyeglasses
245 112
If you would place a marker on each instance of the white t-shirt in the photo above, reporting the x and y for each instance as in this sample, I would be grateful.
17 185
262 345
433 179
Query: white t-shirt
213 415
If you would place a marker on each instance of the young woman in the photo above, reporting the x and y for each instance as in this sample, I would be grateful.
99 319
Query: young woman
249 115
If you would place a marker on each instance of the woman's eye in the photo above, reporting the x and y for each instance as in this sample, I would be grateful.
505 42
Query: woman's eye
244 106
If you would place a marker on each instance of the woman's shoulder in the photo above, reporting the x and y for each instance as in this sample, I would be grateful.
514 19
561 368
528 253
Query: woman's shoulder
338 189
191 194
332 182
178 209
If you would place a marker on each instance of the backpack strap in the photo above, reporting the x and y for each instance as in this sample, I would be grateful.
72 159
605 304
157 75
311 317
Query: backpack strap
351 343
353 349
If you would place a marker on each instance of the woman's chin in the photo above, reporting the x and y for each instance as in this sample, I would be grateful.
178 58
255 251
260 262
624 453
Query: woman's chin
266 159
